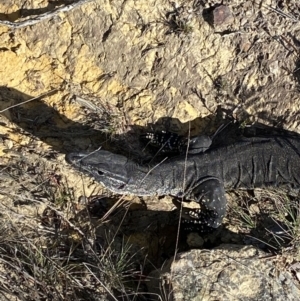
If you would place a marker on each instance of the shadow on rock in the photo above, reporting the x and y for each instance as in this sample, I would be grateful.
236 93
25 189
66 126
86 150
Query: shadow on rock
64 135
45 123
23 12
153 236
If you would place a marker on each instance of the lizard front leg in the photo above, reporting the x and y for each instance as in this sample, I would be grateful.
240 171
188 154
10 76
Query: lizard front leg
171 143
211 196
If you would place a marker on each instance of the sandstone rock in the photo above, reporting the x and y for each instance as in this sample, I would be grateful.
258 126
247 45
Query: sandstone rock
228 272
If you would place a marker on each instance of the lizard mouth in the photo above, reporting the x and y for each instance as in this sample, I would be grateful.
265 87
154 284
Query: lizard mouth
77 159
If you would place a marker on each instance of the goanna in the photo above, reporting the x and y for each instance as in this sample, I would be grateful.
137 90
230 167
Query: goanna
203 177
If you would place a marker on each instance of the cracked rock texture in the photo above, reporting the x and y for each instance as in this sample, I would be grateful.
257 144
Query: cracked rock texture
229 272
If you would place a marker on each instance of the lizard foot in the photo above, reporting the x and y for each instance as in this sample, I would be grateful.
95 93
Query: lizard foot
196 220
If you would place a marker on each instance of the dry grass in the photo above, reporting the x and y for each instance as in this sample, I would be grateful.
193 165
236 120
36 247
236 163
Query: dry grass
54 252
270 218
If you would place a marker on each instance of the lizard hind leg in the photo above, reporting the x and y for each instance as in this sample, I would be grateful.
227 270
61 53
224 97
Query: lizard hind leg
211 195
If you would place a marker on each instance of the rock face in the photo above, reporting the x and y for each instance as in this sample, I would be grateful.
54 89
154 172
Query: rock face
148 59
229 272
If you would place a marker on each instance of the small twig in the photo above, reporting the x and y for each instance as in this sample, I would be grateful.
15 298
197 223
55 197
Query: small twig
183 189
85 103
118 204
261 241
289 43
60 214
100 282
153 169
26 101
157 153
280 12
39 18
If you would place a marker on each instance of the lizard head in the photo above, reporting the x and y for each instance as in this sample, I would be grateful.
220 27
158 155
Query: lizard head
107 168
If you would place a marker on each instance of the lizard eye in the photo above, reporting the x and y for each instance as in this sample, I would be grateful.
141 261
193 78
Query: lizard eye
100 173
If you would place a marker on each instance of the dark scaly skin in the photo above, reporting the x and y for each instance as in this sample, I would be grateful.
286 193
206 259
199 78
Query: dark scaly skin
203 177
171 143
